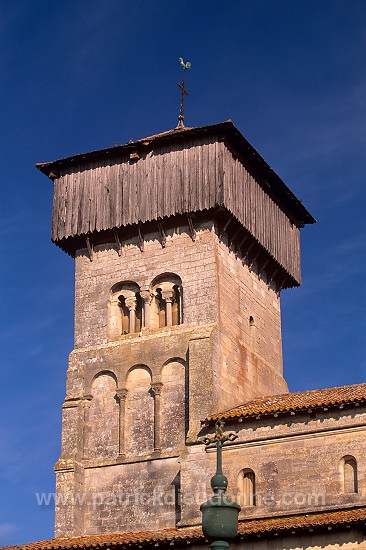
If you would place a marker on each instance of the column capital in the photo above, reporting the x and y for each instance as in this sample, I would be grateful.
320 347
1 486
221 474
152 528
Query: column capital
146 296
168 295
131 303
121 394
156 388
87 397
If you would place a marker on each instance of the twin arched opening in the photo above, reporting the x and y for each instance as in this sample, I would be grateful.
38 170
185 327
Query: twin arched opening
159 305
166 301
126 309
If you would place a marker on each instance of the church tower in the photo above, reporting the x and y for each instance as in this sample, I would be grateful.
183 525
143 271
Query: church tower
182 243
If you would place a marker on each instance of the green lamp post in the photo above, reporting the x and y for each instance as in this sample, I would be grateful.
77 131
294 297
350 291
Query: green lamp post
220 513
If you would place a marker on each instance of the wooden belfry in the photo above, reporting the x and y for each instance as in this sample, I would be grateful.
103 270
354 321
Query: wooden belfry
180 176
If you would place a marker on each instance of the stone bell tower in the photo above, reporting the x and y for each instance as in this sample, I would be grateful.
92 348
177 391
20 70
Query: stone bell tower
182 243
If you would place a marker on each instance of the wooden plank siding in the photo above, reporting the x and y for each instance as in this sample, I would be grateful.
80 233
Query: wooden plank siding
173 179
258 212
170 178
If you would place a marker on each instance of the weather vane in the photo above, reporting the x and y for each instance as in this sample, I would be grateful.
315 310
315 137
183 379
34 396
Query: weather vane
184 66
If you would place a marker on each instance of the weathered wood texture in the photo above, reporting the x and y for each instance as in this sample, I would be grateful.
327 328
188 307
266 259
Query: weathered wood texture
258 212
168 179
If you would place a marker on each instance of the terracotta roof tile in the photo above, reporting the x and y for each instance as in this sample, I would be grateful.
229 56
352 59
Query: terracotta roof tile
194 534
114 539
305 521
296 401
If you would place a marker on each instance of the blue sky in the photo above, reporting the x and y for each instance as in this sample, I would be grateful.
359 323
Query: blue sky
87 74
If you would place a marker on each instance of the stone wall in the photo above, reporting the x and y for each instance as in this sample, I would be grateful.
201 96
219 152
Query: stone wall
192 261
135 399
249 331
297 460
129 497
217 287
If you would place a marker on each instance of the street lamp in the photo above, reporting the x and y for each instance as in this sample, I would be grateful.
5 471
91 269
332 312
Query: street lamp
220 513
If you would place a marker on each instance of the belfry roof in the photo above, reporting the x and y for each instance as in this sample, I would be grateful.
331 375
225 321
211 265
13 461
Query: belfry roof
226 129
296 401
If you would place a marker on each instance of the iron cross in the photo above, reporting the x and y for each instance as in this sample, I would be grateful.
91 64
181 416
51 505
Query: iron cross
219 438
219 480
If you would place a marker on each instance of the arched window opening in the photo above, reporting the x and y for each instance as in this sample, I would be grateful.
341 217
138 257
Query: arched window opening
167 292
350 481
138 315
139 415
246 487
125 312
173 405
176 306
161 307
102 422
125 315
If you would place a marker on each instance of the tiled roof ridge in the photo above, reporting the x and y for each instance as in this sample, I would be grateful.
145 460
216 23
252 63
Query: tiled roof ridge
295 401
246 528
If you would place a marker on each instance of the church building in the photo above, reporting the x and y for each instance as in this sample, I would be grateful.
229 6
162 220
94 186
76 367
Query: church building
183 242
